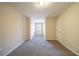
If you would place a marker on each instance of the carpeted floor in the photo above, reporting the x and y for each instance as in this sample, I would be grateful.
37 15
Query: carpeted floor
40 47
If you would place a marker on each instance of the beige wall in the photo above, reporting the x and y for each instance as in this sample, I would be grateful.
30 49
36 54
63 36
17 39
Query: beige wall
26 29
12 23
0 29
50 24
29 29
68 28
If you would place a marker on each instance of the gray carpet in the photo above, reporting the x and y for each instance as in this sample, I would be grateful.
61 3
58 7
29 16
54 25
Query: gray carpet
36 47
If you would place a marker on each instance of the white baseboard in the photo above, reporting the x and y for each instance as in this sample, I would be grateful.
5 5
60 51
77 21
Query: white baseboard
13 48
68 48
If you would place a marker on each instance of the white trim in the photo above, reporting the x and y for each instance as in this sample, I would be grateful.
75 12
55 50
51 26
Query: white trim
68 48
13 48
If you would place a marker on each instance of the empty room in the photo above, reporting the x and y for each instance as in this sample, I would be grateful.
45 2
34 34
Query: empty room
39 29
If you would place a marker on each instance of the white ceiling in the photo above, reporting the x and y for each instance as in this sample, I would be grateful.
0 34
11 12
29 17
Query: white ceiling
29 9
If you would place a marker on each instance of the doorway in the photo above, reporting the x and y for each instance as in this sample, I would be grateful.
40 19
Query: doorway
38 29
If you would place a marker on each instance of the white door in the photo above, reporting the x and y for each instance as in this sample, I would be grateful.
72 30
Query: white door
38 29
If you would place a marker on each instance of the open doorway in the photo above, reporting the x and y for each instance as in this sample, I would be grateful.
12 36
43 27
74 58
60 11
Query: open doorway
38 29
